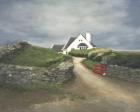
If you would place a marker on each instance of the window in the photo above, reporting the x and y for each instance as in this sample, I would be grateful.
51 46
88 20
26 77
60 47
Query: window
82 46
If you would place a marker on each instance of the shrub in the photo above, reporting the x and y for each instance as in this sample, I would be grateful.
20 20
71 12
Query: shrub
128 59
123 59
80 53
89 63
90 53
98 54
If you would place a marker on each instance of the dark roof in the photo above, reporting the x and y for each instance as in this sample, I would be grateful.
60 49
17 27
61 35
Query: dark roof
69 42
82 44
57 48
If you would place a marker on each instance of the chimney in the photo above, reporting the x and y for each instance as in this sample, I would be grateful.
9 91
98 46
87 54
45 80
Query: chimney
88 37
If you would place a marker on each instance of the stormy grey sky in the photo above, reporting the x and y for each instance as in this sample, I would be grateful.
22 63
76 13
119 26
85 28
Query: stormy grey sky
113 23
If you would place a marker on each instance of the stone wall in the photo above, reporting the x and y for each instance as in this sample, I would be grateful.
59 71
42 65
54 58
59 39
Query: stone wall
124 73
21 75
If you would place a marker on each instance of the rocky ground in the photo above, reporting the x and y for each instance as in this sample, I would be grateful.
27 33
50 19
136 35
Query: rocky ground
35 77
87 93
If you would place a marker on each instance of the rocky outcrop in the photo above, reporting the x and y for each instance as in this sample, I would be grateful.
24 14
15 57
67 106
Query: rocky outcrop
125 73
28 76
8 48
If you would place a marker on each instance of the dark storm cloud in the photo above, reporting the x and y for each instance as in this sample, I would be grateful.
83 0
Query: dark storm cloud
114 23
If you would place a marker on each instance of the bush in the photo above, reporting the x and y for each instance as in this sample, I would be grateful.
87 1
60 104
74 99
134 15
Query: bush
80 53
98 54
90 53
89 63
128 59
124 59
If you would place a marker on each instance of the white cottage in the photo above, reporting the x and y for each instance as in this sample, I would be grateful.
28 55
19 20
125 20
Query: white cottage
79 42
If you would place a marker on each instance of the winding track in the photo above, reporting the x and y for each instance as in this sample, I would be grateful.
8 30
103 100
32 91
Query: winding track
100 84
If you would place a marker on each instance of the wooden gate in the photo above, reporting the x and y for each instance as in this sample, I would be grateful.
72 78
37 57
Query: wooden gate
100 69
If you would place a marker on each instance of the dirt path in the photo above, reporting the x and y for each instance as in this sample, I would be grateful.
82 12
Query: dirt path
88 93
115 90
102 85
101 94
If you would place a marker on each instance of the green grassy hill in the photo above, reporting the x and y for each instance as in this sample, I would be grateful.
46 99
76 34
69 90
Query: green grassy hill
28 55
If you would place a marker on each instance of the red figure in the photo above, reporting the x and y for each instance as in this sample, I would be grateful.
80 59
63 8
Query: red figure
100 69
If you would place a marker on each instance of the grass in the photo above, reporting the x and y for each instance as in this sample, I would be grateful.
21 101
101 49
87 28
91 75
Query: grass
80 53
86 52
32 87
110 57
89 63
29 55
128 59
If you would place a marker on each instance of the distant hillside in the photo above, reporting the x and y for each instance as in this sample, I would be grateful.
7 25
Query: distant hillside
28 55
